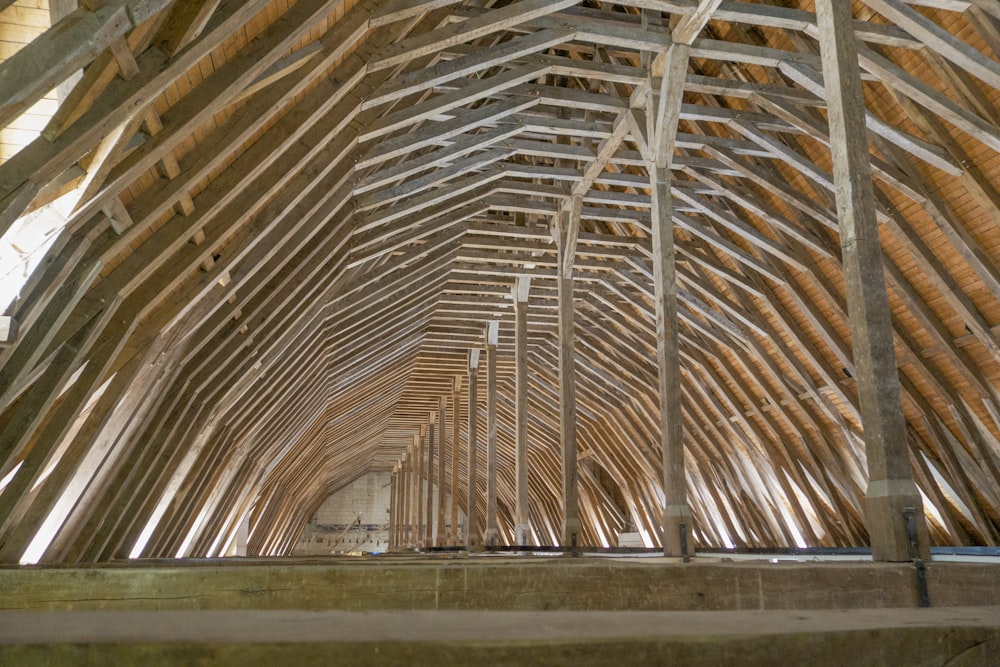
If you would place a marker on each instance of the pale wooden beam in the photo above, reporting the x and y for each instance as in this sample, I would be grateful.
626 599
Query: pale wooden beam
58 52
891 490
492 535
571 527
664 114
429 505
391 11
411 493
472 537
940 40
689 26
456 414
522 520
457 33
904 83
393 505
402 480
481 60
406 479
398 517
442 444
43 160
418 528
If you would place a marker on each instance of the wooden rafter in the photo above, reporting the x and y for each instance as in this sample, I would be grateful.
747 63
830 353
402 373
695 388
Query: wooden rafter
295 225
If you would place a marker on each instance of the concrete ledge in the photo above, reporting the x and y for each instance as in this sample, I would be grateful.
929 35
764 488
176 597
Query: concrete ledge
496 584
960 637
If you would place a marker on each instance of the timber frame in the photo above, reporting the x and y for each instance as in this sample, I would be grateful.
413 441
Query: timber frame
296 225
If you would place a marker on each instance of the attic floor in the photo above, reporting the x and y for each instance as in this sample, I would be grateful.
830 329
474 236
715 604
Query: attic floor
955 636
452 608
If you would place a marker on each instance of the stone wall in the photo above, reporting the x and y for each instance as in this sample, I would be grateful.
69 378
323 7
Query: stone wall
354 519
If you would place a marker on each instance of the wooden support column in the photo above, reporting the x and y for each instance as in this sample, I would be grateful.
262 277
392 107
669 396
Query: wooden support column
472 537
400 495
404 500
456 414
411 499
568 224
669 71
442 444
418 525
891 490
675 510
492 535
429 514
393 505
522 528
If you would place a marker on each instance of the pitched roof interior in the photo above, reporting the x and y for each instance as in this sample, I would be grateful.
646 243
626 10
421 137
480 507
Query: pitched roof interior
288 223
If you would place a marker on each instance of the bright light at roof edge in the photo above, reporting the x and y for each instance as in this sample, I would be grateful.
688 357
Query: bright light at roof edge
6 480
24 245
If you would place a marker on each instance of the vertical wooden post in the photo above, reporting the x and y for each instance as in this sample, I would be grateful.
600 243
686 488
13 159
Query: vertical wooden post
472 536
429 515
675 510
411 540
567 222
404 508
393 490
396 513
456 415
418 442
667 76
492 535
522 529
891 490
442 445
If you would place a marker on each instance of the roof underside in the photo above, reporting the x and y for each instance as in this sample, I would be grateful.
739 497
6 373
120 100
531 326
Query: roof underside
291 222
